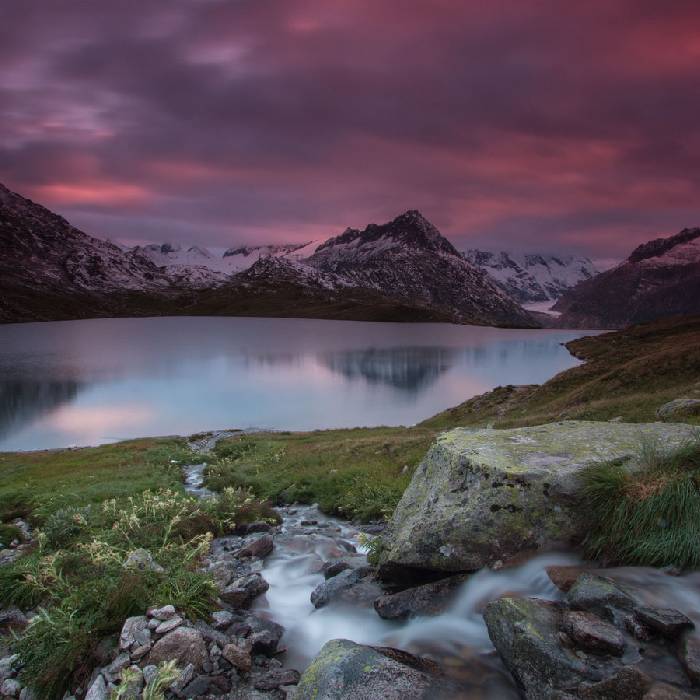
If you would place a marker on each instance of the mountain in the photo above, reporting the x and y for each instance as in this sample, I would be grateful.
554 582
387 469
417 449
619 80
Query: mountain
409 260
51 270
404 270
533 277
659 279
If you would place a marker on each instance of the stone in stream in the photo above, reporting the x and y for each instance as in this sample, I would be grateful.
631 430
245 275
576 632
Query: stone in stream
664 621
591 633
344 670
689 655
486 496
597 593
350 586
428 599
259 548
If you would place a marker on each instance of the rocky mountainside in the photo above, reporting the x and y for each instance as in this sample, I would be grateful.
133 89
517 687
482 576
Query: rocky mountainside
533 277
404 271
660 278
51 270
409 260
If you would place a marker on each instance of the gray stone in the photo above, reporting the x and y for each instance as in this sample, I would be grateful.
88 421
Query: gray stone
525 632
484 496
629 683
165 613
238 655
184 645
8 666
221 619
12 618
599 594
591 633
344 670
113 671
27 694
11 688
348 586
196 687
428 599
242 592
333 568
169 625
186 675
149 673
257 549
666 691
664 621
265 635
135 633
679 407
142 560
98 690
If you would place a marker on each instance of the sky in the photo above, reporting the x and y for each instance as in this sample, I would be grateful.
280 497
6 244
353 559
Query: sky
514 124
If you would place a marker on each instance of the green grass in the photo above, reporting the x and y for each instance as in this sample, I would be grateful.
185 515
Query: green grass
647 515
359 473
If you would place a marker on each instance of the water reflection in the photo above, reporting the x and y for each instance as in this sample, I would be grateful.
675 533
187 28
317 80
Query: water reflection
409 369
85 382
22 401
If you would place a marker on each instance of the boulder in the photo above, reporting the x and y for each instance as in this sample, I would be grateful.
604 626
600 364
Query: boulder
679 407
344 670
257 549
599 594
350 586
428 599
98 690
485 496
184 645
142 560
135 633
525 632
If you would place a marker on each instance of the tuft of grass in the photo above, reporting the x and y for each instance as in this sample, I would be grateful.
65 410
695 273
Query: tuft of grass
647 512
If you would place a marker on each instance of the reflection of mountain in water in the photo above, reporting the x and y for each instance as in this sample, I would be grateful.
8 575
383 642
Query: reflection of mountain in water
24 400
410 369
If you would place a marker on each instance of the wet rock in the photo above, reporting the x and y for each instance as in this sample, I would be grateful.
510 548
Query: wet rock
257 549
591 633
564 577
142 560
10 688
98 690
525 632
238 655
482 496
629 683
428 599
344 670
242 592
689 655
308 523
169 625
135 633
8 666
264 636
349 585
184 645
277 678
165 613
664 621
333 568
599 594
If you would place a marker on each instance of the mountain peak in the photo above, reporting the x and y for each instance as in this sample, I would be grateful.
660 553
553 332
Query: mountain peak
659 246
410 229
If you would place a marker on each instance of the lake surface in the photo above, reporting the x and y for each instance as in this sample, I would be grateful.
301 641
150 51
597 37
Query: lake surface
90 382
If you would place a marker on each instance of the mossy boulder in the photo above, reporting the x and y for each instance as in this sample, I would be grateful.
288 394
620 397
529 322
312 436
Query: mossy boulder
481 497
344 670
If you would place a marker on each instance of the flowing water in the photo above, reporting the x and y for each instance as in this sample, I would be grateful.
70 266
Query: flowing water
457 638
97 381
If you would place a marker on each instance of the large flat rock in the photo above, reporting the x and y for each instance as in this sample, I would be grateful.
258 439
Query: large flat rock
486 496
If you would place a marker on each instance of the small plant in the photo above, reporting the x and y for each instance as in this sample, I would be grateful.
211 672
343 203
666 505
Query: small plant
646 512
374 547
166 675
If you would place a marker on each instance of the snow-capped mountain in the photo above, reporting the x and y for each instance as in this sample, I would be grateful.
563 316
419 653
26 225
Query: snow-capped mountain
532 277
407 259
49 269
403 270
660 278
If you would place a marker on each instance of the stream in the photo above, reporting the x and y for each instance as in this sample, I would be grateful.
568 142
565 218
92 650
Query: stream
457 638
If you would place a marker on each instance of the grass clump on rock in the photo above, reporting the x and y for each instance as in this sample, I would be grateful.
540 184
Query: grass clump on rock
648 515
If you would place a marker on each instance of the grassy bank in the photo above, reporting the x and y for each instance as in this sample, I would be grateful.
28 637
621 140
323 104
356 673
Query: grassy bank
92 509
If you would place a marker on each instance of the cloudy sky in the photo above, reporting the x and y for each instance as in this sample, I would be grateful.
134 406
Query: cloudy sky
524 124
